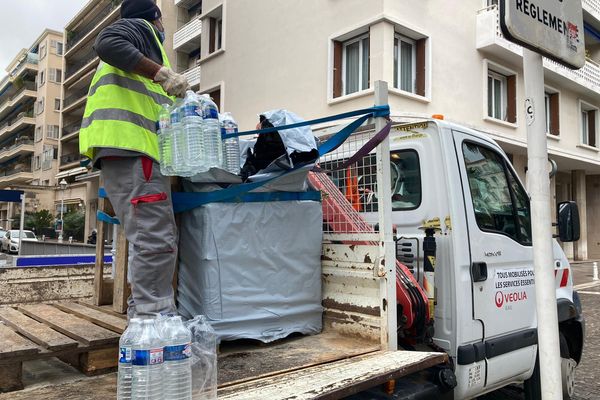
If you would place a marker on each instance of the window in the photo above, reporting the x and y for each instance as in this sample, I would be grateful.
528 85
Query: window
41 78
409 64
42 51
501 96
40 106
52 132
48 157
57 47
355 67
359 182
589 124
216 32
55 75
56 104
552 113
500 203
39 133
37 163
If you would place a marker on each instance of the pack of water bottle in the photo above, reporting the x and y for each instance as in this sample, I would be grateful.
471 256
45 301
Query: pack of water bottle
190 137
168 359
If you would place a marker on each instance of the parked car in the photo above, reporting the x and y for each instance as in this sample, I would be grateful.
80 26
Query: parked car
10 241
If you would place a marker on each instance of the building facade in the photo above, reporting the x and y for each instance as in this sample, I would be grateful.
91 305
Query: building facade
319 58
30 104
80 63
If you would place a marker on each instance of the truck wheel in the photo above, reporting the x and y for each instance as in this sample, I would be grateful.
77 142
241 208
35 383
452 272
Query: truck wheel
533 386
567 369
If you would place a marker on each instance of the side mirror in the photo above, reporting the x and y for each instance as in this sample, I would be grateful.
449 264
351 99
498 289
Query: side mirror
568 221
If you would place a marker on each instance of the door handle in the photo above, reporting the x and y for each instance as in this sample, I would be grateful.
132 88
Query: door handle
479 271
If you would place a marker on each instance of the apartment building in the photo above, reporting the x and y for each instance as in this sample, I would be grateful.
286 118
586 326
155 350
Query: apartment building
30 106
80 63
319 58
186 40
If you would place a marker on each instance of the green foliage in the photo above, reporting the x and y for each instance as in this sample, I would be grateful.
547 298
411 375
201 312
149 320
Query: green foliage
39 220
74 225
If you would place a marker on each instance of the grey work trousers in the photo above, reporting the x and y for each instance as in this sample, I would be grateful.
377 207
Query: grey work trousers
141 198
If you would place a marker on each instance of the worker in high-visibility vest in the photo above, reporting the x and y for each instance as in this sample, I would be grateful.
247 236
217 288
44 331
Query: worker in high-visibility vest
118 133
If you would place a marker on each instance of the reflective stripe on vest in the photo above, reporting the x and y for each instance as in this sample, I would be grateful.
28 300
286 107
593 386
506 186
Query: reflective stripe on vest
122 110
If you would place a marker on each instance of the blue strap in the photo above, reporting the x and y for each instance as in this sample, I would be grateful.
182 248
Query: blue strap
104 217
102 193
264 197
375 111
185 201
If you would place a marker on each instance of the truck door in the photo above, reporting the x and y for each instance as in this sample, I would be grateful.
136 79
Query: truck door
499 235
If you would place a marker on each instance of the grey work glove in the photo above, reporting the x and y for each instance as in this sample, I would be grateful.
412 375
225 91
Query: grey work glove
174 84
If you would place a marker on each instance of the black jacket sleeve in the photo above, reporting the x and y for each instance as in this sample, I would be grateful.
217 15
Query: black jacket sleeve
124 43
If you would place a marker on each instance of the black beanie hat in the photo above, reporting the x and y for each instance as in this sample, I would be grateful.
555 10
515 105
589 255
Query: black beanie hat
145 9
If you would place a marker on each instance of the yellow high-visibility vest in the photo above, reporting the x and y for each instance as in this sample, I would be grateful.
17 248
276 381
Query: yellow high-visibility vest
122 110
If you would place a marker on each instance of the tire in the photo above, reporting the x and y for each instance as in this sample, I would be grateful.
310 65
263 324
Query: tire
532 386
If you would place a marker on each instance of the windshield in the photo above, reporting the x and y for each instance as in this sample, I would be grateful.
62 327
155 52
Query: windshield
26 234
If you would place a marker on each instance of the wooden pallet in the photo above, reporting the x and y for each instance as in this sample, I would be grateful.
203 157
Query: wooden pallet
84 336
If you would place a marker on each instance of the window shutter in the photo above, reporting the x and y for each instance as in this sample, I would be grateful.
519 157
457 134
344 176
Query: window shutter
592 128
554 115
337 68
511 98
420 50
212 35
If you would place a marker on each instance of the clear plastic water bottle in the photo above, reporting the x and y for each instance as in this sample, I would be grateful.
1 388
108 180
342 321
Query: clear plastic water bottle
193 124
212 133
177 377
231 146
128 339
165 140
147 364
178 144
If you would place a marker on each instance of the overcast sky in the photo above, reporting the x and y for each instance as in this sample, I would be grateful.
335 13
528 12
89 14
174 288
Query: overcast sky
22 21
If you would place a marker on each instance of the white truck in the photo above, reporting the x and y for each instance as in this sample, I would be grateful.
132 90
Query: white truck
460 183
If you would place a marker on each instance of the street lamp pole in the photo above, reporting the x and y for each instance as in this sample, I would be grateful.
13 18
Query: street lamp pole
63 186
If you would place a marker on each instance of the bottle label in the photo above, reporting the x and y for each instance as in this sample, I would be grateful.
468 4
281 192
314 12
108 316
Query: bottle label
148 357
175 118
191 110
228 131
176 353
211 113
124 354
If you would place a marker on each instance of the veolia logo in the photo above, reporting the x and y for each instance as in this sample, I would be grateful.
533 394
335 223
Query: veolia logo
499 299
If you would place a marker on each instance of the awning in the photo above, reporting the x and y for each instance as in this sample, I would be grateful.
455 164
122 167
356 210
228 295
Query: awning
71 172
88 176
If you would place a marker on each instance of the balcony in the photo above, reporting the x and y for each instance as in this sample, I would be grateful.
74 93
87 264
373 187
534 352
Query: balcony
75 99
78 66
592 7
187 4
193 75
21 148
70 131
19 174
28 89
25 118
187 38
70 160
30 62
491 41
95 24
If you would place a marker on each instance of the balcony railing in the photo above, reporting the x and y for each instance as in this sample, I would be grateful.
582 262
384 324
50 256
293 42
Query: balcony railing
592 6
20 142
73 68
72 128
70 158
20 169
187 32
193 75
31 58
74 97
27 85
588 76
17 118
75 37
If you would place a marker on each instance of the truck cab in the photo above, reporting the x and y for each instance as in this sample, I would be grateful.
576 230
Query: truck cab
460 182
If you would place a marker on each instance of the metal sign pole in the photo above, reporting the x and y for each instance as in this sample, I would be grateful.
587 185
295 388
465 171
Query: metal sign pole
22 223
538 182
